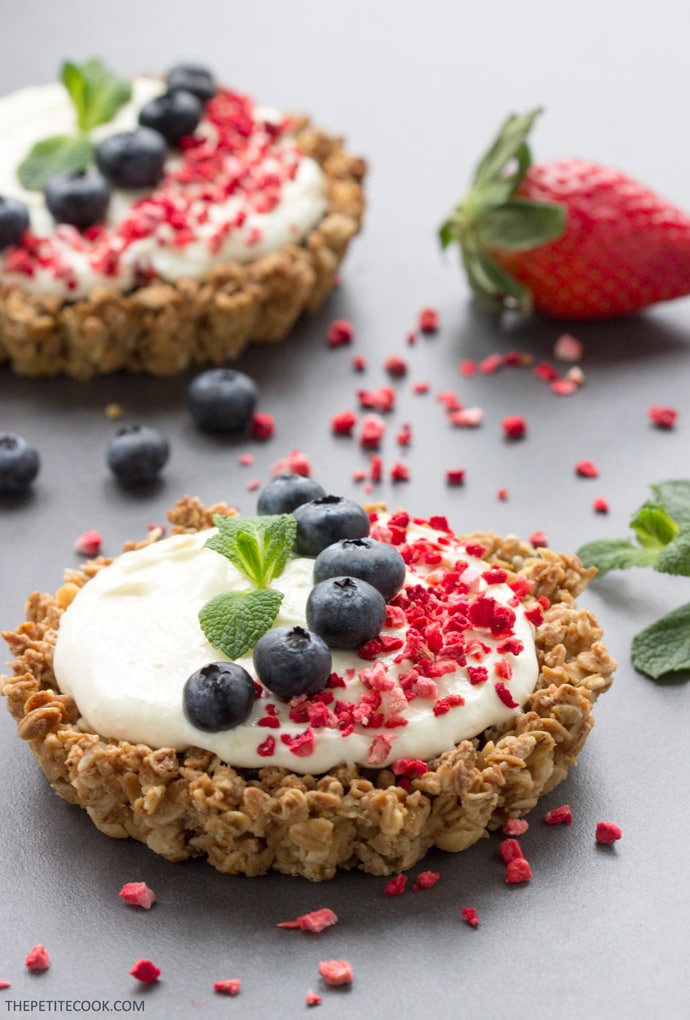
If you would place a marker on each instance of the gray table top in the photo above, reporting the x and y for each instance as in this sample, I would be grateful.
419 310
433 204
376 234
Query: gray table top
418 90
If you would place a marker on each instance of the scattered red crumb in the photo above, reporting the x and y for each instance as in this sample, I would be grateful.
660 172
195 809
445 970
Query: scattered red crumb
467 417
395 365
89 543
568 348
509 850
358 475
263 426
312 999
296 463
381 399
662 417
372 428
425 880
518 870
502 494
314 921
145 971
539 540
607 832
564 387
559 816
38 959
336 972
515 826
420 387
5 984
404 436
411 338
245 459
543 370
400 472
455 476
490 364
376 468
138 894
343 423
450 400
340 331
229 986
514 426
396 886
359 362
253 485
428 320
468 368
469 914
601 505
587 469
505 695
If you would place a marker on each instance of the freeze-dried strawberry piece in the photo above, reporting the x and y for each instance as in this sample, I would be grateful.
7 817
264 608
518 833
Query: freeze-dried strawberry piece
607 832
359 362
396 886
343 423
509 850
467 417
315 921
5 984
138 894
601 505
336 972
296 463
539 540
518 870
229 986
455 476
425 880
421 387
587 469
505 695
469 914
514 426
145 971
395 365
400 472
245 459
564 387
340 331
312 999
503 495
89 543
544 371
662 417
372 428
263 426
37 959
515 827
559 816
428 320
567 348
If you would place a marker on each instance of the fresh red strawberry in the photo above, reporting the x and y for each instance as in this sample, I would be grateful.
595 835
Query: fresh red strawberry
572 239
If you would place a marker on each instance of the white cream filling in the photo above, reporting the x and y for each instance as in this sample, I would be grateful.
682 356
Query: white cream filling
131 638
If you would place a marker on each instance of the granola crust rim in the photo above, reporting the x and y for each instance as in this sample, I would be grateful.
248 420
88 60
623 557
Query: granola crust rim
190 804
165 328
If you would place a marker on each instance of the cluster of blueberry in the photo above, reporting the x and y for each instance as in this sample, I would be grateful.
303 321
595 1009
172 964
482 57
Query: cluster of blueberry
128 159
354 577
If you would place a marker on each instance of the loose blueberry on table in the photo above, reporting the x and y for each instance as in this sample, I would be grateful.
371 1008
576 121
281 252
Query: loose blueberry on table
345 611
137 454
291 661
19 464
376 562
218 696
327 519
286 492
222 400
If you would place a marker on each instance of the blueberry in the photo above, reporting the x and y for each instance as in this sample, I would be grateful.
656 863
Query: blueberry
192 78
291 661
218 696
137 454
286 492
14 220
19 464
174 115
80 198
376 562
133 159
222 400
327 519
345 611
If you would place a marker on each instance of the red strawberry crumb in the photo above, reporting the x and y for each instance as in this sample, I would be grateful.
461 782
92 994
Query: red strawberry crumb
515 826
314 921
564 387
89 543
5 984
509 850
395 366
404 436
466 417
539 540
518 870
145 971
514 426
607 832
425 879
587 469
559 816
245 459
502 494
267 747
253 485
490 364
340 332
455 476
296 463
312 999
469 914
400 472
263 426
567 348
420 387
411 338
343 423
544 371
662 417
376 469
229 986
138 894
601 505
468 368
372 428
396 886
358 475
450 401
336 972
37 959
428 320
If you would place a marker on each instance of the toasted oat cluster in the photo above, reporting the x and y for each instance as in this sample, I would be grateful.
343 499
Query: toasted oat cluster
189 803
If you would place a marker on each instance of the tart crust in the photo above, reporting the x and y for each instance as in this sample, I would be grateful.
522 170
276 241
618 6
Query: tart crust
191 804
164 328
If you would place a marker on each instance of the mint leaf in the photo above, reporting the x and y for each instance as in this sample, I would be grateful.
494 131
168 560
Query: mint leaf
56 155
674 558
616 554
663 649
257 546
98 95
235 620
653 525
674 496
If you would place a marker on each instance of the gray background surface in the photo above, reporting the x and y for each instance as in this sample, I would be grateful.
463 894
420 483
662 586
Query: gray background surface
418 89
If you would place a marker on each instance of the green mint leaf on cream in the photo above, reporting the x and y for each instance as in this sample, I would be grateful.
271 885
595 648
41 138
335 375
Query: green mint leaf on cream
662 650
96 94
235 620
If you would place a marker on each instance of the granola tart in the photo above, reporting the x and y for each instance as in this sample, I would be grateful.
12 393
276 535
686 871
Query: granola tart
165 282
188 802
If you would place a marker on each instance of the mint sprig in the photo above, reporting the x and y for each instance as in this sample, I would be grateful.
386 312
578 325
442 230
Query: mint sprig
662 541
259 548
96 94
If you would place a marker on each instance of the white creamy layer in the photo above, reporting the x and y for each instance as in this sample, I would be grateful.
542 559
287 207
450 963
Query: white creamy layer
31 114
131 638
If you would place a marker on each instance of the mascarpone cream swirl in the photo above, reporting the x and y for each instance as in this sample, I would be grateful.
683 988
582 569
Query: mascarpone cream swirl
456 656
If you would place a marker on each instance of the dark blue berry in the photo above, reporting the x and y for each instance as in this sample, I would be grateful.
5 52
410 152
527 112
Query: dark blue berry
192 78
286 492
133 159
376 562
218 696
80 198
19 464
174 114
137 454
327 519
14 220
345 611
292 661
222 400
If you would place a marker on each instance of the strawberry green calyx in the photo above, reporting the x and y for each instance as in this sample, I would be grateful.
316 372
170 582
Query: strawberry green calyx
494 216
